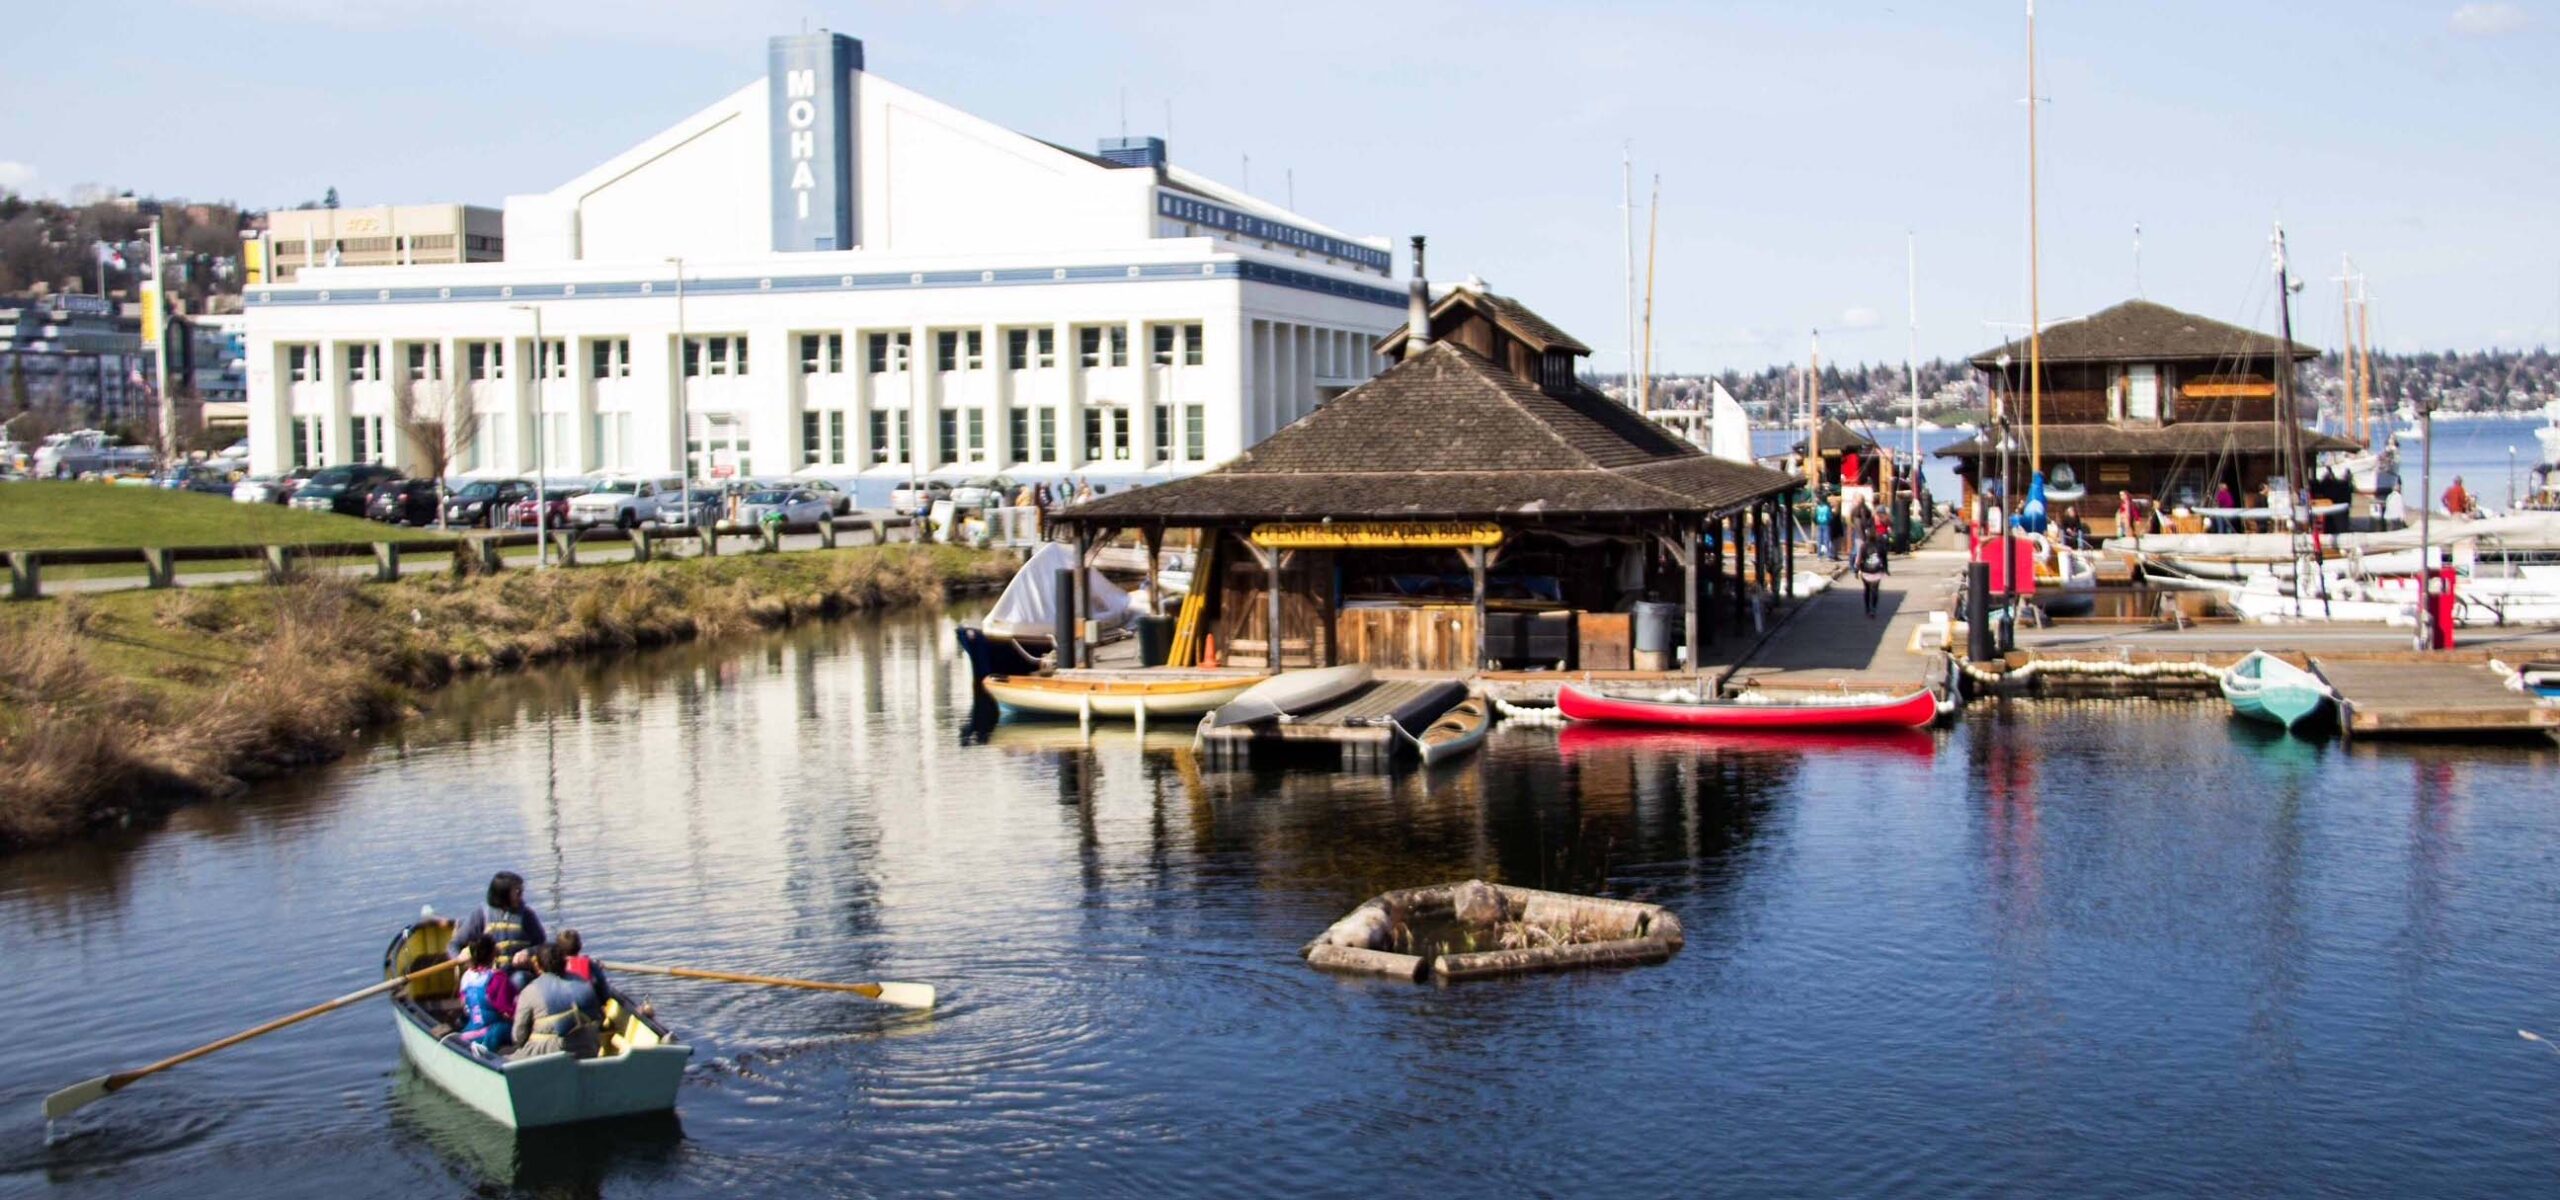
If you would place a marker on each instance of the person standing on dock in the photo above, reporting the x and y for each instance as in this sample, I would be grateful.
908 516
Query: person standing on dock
1822 527
1871 571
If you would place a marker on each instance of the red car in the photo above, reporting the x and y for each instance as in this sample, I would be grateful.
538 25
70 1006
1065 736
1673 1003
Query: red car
557 499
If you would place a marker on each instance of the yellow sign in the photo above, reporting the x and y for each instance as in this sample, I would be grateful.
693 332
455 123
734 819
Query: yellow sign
150 313
1377 535
253 260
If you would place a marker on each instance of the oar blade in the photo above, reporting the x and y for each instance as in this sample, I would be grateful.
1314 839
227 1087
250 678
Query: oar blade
907 995
78 1096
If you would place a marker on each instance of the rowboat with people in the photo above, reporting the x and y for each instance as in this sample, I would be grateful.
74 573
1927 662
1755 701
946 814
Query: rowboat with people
638 1070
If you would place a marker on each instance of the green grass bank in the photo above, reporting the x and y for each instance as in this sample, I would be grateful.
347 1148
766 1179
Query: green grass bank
64 516
123 705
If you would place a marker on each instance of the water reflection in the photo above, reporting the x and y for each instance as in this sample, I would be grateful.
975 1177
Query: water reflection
2057 949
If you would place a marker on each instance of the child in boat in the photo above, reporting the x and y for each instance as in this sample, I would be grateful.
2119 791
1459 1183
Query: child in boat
581 966
557 1011
488 997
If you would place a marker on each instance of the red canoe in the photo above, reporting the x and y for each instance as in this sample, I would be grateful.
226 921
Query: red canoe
1880 712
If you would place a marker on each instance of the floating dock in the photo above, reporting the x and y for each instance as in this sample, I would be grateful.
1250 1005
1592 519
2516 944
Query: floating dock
1360 727
2421 694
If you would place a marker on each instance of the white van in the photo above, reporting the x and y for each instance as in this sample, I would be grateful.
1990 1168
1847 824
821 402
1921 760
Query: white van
624 501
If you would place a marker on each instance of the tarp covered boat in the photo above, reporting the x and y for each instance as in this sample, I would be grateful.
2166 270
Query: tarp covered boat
639 1071
1846 711
1026 612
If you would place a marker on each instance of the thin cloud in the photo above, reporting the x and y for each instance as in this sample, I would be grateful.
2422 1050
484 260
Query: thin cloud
16 176
1860 317
2489 20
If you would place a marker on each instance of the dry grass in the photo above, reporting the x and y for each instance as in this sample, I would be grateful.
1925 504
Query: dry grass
128 703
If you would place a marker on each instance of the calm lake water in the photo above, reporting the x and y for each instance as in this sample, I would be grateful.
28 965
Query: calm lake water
2084 950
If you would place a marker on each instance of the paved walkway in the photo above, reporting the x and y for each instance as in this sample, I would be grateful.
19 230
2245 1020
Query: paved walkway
1830 641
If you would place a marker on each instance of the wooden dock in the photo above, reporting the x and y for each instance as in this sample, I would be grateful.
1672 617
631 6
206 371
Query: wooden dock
1361 727
2422 694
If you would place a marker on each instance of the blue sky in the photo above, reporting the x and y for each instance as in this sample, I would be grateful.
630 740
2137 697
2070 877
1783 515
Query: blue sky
1796 142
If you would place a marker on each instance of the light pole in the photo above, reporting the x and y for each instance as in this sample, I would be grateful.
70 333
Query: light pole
684 399
2511 479
156 319
541 458
2426 523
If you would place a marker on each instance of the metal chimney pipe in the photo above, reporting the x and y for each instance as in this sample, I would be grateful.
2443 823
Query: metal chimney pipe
1418 306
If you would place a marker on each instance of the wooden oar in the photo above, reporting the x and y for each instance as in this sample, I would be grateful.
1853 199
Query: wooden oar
904 995
87 1092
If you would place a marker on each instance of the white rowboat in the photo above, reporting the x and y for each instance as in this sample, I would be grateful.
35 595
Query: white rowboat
1292 692
1051 696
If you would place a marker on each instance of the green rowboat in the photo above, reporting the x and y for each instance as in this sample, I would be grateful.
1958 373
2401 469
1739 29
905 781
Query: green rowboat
2263 687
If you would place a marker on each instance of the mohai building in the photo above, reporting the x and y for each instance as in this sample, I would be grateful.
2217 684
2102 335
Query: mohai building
827 274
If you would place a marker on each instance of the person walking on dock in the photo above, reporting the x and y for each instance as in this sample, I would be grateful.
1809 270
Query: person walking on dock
1822 527
1871 571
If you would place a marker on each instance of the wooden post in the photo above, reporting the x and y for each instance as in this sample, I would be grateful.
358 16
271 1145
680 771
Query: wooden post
564 543
386 562
1271 652
879 531
1154 539
827 533
706 541
1741 580
1475 565
279 560
639 544
491 558
26 575
159 567
1788 529
1084 593
1689 540
768 536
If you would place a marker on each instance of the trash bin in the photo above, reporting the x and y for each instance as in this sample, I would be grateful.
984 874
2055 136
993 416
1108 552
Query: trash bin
1155 641
1657 633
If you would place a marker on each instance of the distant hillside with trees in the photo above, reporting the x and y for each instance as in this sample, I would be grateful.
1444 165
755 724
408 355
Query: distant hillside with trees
53 246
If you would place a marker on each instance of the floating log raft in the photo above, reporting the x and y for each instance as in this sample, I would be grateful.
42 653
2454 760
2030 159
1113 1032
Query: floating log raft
1477 930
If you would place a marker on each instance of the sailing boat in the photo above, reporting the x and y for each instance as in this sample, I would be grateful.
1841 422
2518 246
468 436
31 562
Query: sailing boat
2066 580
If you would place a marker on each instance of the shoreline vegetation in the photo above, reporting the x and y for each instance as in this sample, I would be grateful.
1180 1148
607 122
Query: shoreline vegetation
121 706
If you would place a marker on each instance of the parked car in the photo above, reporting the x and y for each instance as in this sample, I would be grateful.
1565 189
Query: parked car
918 494
791 506
484 502
213 481
270 489
983 491
839 501
556 498
402 502
624 501
341 489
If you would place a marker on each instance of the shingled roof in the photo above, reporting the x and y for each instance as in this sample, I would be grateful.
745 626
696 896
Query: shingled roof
2186 439
1513 317
1447 434
1838 439
2140 331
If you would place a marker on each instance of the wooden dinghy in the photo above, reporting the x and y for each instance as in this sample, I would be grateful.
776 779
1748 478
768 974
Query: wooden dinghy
1844 712
1291 692
1458 731
1051 696
2263 687
639 1071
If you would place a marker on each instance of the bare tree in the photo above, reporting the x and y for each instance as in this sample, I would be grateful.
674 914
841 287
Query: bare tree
441 419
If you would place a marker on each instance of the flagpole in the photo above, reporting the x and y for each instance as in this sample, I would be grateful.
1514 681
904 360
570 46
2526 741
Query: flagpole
158 322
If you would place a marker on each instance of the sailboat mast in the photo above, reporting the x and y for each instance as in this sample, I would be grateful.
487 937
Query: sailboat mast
1652 242
1911 348
2035 296
2289 431
2349 409
1813 418
1627 209
2364 350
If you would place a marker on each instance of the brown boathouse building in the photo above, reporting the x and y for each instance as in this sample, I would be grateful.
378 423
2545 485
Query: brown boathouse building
2144 399
1474 505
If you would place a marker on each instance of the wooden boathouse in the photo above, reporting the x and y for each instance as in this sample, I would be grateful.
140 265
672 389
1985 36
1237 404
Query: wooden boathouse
1475 505
2143 399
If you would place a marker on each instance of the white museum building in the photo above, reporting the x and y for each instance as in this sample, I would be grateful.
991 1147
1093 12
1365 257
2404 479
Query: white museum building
827 274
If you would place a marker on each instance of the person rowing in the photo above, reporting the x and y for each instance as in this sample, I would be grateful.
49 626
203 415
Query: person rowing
511 924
